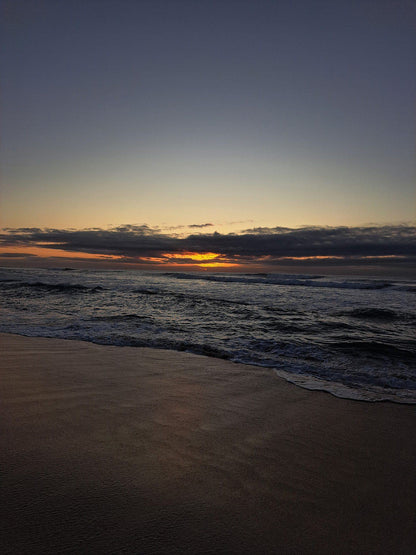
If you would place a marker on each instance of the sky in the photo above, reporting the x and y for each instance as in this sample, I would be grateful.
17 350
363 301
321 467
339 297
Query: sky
227 121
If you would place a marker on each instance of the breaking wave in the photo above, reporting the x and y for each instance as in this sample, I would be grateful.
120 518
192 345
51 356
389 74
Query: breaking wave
288 280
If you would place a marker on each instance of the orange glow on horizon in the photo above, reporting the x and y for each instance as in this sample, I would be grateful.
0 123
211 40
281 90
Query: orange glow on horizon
185 260
215 260
43 252
218 265
193 255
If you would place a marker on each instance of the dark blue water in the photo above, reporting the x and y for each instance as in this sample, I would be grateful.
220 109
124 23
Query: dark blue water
354 337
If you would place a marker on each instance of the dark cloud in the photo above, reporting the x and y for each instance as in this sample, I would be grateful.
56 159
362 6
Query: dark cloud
312 241
266 230
200 225
133 242
143 229
16 255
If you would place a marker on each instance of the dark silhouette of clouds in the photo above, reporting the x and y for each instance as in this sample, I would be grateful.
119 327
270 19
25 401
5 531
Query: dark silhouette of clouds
200 225
16 255
132 242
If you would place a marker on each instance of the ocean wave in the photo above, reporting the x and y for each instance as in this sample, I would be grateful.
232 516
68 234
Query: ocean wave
119 318
379 315
172 345
258 275
271 279
280 325
373 313
282 310
55 287
188 297
201 349
407 288
374 348
344 391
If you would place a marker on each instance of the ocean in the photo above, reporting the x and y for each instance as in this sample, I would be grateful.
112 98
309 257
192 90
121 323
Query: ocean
353 337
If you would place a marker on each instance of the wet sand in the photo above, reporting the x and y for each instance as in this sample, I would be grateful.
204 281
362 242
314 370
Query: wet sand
126 450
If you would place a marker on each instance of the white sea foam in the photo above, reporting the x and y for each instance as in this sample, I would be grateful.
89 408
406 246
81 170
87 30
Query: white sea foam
343 391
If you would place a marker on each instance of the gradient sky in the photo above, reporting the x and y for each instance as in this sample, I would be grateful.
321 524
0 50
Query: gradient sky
241 114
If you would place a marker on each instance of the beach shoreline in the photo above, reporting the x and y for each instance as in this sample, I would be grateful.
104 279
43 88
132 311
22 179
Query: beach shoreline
121 449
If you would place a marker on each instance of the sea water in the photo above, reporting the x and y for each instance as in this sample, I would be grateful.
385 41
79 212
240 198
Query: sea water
353 337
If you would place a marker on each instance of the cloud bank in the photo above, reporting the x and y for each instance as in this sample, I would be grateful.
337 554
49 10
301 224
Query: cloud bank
260 245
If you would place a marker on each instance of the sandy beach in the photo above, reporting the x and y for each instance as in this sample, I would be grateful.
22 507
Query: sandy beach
126 450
